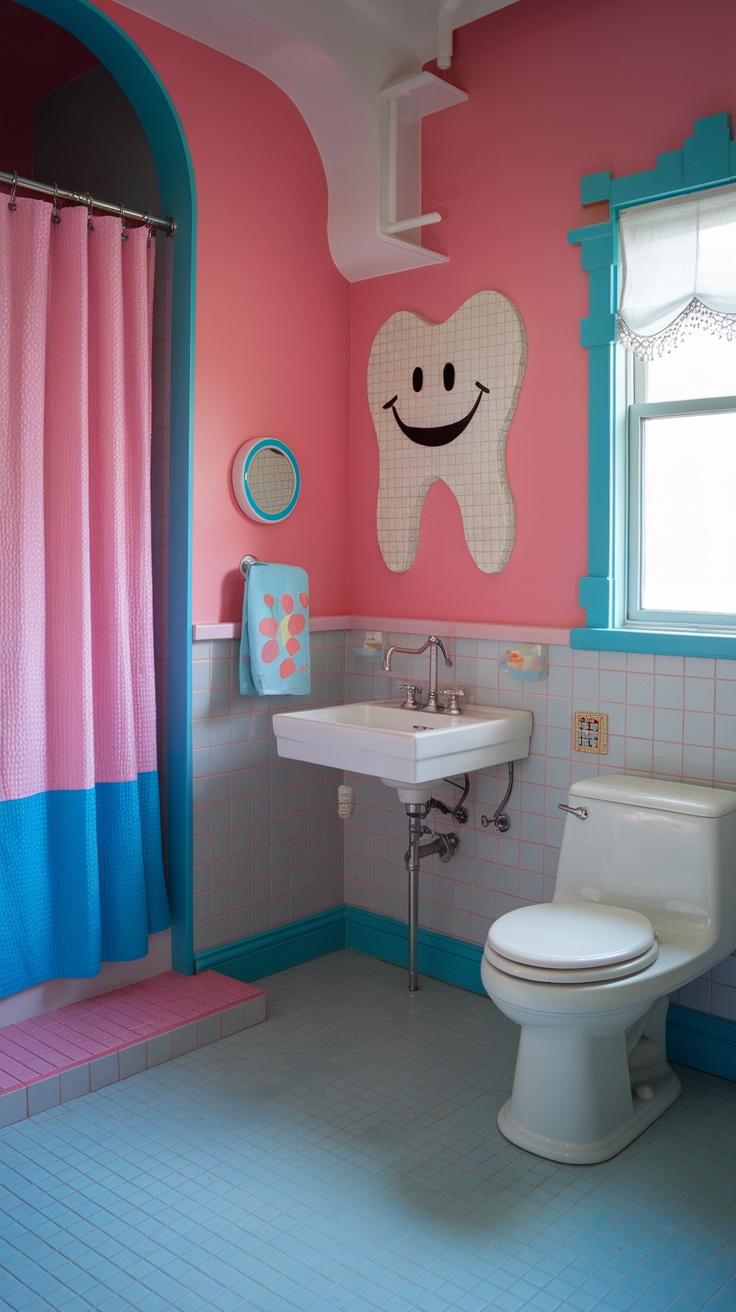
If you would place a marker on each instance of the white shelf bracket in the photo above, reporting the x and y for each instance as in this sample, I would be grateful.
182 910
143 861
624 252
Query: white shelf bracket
401 108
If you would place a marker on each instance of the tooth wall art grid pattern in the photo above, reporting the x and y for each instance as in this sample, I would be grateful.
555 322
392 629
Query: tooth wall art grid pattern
442 397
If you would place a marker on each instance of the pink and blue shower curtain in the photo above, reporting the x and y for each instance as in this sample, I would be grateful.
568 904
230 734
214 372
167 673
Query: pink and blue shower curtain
81 874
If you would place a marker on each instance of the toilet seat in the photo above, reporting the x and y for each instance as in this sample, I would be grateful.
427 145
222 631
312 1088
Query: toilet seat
571 943
553 975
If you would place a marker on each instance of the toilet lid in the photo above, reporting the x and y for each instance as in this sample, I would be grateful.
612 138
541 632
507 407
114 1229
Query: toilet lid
571 936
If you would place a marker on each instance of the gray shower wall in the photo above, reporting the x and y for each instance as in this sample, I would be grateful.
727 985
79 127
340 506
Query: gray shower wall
88 138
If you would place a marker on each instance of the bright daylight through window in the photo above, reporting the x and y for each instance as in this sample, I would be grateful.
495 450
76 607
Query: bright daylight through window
677 320
682 485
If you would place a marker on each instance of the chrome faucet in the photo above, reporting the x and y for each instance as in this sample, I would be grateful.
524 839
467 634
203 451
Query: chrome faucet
433 643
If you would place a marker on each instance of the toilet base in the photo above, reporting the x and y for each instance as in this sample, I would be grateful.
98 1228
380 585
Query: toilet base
665 1090
581 1097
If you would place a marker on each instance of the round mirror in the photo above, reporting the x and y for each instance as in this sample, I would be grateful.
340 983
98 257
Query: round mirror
266 480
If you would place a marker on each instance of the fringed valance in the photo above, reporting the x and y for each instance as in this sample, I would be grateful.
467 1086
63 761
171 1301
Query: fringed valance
679 272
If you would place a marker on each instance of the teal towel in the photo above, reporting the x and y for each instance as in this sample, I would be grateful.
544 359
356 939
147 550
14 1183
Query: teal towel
274 642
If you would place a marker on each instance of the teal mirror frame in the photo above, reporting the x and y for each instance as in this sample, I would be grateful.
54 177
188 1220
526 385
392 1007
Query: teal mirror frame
707 159
242 478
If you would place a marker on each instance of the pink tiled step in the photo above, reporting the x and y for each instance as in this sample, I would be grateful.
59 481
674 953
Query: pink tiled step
63 1054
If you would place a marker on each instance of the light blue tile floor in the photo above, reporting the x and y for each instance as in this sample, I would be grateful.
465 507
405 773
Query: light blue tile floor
344 1155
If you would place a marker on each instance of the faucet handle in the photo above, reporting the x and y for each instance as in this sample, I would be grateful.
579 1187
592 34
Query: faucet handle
453 696
413 691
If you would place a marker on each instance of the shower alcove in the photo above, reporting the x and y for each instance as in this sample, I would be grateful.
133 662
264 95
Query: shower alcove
82 107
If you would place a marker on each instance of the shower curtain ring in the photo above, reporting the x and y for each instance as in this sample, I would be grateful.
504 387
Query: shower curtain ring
90 224
123 232
148 220
55 211
13 188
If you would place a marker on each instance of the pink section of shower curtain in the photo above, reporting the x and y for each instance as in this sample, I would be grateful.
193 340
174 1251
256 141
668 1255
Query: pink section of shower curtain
77 702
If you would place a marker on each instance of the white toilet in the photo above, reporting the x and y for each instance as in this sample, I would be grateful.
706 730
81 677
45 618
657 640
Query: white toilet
645 901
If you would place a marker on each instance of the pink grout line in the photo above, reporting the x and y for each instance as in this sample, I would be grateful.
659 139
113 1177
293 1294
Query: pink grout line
13 1073
50 1051
13 1052
57 1041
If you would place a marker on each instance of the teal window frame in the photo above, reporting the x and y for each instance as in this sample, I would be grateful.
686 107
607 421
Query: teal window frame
706 160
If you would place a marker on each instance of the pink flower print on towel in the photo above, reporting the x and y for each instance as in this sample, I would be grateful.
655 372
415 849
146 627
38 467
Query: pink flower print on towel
281 634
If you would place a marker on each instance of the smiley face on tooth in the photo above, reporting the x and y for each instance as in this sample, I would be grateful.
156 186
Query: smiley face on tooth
439 434
453 389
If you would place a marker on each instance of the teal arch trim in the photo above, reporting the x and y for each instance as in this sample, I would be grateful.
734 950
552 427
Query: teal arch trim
707 159
151 101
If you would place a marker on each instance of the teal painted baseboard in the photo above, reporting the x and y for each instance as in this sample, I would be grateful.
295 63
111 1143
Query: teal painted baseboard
277 949
438 955
707 1043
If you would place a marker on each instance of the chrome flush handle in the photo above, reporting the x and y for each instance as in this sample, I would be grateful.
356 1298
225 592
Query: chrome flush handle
580 812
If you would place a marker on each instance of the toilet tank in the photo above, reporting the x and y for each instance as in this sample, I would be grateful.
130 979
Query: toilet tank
665 849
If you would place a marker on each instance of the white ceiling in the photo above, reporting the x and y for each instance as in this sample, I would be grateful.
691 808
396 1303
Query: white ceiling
332 57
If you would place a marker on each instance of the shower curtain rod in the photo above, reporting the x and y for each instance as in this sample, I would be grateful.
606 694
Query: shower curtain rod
79 198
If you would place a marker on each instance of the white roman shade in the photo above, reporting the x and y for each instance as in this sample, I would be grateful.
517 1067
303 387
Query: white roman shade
679 271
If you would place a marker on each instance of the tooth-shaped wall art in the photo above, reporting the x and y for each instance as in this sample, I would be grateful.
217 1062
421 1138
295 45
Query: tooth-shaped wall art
442 398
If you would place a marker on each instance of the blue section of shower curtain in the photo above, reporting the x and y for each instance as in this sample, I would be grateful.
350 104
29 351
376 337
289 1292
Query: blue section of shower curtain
81 881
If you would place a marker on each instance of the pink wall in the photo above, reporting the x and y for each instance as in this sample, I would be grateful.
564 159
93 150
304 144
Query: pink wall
272 334
555 91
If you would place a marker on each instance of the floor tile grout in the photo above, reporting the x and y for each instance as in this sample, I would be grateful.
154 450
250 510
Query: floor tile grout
345 1156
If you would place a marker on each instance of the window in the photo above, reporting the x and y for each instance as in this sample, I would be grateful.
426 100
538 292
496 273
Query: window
681 476
662 355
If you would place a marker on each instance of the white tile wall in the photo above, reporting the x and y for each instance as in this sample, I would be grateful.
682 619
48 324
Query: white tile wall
267 839
269 847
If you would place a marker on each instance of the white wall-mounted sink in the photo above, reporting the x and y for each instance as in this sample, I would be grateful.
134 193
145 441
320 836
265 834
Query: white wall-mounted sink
404 748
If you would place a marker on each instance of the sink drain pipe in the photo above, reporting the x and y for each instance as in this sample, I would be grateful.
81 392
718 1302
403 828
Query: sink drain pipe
444 846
